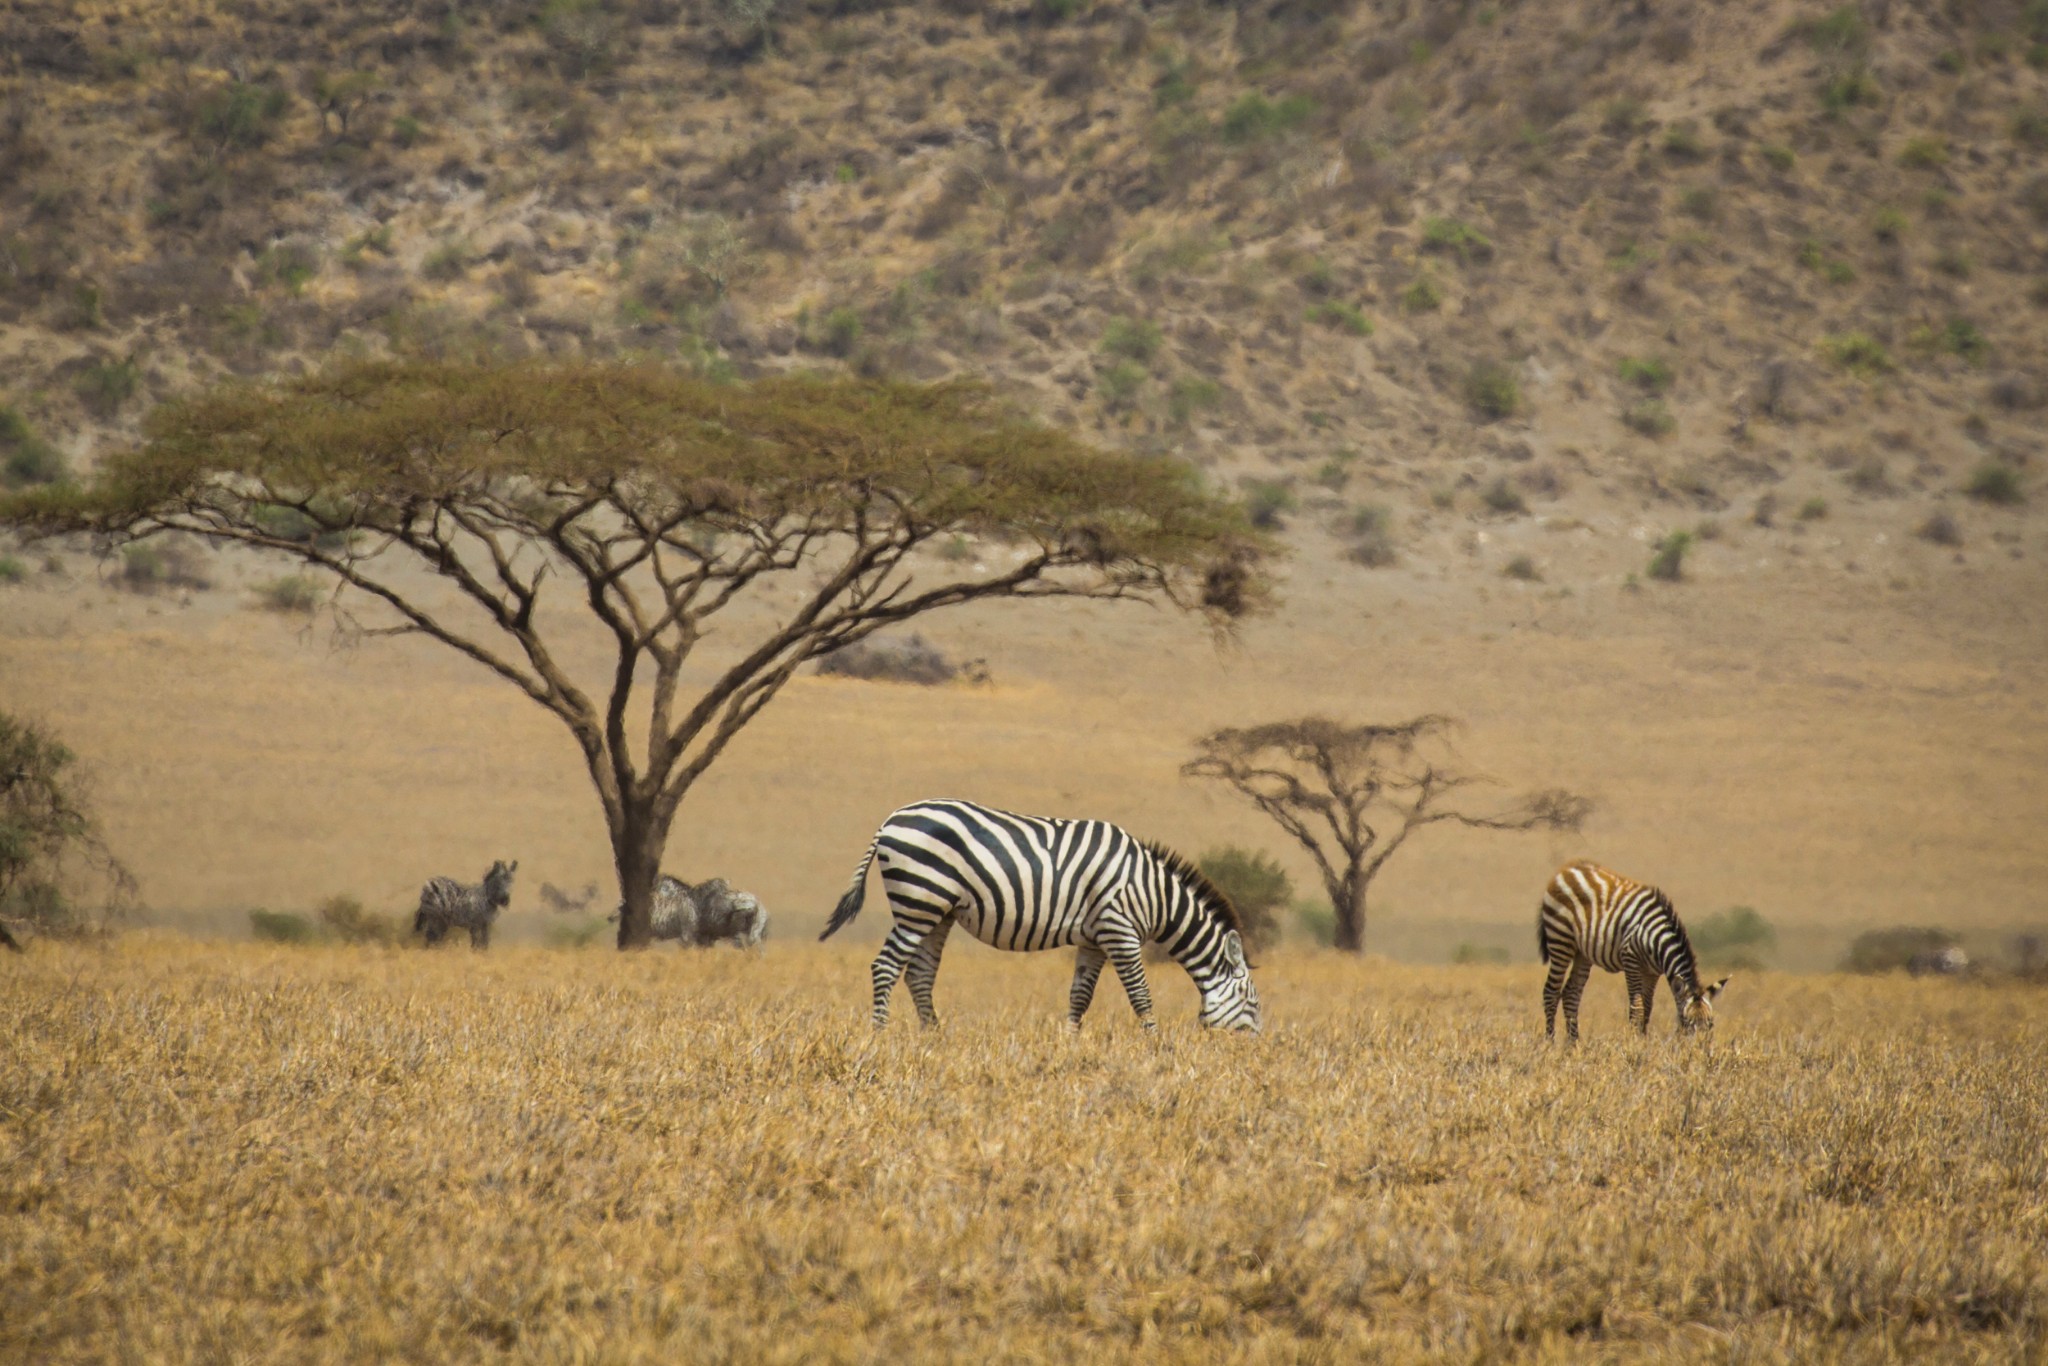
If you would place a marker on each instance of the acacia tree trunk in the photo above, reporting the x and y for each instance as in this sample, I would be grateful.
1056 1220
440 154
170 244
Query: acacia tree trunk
1347 898
639 834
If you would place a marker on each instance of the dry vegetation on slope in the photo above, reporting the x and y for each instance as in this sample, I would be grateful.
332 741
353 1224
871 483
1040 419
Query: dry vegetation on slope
234 1152
1381 251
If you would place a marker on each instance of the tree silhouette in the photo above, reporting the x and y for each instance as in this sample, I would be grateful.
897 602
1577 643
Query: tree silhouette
44 824
1352 795
641 501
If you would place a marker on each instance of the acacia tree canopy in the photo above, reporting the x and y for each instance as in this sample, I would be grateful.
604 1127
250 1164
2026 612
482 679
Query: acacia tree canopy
1352 795
645 500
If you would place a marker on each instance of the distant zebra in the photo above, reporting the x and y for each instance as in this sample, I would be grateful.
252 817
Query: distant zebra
1593 917
1028 883
709 913
446 904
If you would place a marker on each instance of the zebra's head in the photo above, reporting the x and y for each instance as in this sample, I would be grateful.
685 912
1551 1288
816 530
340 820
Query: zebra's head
1229 1000
498 884
1697 1015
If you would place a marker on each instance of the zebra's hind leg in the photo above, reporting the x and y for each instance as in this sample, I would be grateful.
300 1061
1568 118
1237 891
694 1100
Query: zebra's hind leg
897 950
923 970
1127 953
1553 988
1574 988
1087 971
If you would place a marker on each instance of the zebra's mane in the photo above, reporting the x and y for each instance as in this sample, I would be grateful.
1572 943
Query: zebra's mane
1206 892
1686 956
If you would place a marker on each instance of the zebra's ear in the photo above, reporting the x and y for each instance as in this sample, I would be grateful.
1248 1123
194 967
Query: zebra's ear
1715 990
1233 949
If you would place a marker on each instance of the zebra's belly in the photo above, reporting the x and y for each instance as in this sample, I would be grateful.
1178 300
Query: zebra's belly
1004 928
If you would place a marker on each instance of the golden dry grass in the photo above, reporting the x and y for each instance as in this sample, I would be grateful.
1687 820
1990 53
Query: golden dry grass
230 1152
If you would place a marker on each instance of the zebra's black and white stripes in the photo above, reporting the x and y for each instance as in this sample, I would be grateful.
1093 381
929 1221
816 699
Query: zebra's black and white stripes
1028 883
1592 917
446 904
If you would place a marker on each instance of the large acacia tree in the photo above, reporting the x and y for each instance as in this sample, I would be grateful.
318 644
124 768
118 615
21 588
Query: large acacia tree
642 502
1352 795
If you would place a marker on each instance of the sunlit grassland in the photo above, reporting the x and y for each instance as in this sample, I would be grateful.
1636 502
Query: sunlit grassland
232 1152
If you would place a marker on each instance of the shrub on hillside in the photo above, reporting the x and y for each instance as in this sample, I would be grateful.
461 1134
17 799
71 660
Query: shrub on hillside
1994 481
1372 537
1892 949
26 458
1257 886
1668 563
344 918
281 927
1491 388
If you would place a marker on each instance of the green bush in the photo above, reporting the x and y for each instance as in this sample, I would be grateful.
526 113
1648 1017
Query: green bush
239 115
1888 224
1522 567
344 918
1962 337
1422 295
1813 509
1120 382
1650 417
1317 919
1469 954
299 594
1492 388
281 927
1341 316
12 570
1857 352
1735 937
1924 153
26 458
1372 537
1453 237
1649 374
1132 338
1780 158
1994 481
1503 497
1267 501
1257 886
1252 117
1190 394
1668 563
1892 949
106 386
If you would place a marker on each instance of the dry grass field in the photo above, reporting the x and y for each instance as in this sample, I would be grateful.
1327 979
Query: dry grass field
238 1153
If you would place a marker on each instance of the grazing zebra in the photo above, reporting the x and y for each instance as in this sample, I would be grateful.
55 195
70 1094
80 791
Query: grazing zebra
1023 882
708 913
1592 917
446 904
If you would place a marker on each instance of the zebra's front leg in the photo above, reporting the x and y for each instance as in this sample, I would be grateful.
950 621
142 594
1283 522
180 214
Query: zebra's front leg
1642 995
1574 988
1553 988
480 937
1127 953
1087 971
924 970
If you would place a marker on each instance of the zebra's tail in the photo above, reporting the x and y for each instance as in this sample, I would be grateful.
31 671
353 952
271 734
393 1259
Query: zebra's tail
849 905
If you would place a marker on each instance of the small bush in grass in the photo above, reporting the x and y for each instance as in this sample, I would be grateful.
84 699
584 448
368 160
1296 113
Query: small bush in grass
1954 262
1869 476
1682 141
1892 949
1132 339
1847 89
1813 509
1994 481
2030 126
1734 939
1504 498
1963 338
1492 388
1924 153
1454 237
1372 537
1702 202
106 386
1340 316
910 659
1191 394
1317 920
407 131
1422 295
238 115
152 565
1524 568
1857 352
1888 224
1668 563
1780 158
1252 117
1469 954
294 593
1649 374
344 918
26 458
1940 529
1257 886
1120 383
281 927
12 570
1267 502
1650 417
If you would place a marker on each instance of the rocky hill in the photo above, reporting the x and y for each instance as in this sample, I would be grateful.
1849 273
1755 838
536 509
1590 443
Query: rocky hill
1391 266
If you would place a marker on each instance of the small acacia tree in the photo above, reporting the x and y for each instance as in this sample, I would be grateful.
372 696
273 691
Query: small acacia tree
44 826
642 502
1352 795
